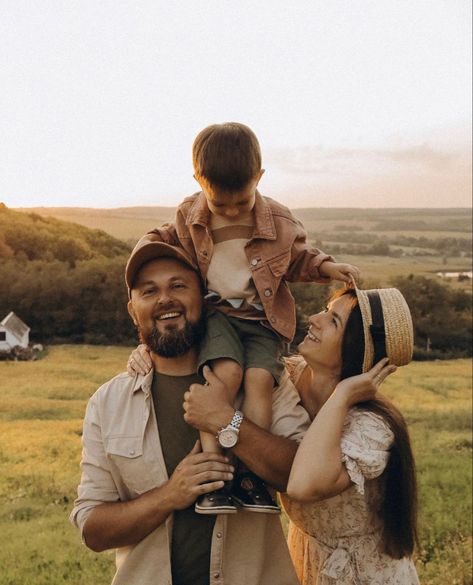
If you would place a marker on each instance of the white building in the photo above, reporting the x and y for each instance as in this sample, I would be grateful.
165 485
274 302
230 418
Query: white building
13 332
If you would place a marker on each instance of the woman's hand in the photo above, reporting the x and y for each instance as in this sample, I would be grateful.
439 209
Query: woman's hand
364 386
139 361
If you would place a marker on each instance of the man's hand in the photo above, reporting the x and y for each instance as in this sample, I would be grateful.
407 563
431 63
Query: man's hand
343 272
198 473
207 406
364 386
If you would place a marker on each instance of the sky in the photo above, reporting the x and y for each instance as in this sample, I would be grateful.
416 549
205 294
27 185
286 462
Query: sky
356 103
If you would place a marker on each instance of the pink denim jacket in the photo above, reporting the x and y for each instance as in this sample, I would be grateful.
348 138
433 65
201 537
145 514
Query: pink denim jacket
277 253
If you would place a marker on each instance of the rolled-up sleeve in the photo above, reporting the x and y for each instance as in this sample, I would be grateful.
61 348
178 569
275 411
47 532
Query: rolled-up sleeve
290 419
96 485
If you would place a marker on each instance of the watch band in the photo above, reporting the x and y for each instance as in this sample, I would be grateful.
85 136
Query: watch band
236 421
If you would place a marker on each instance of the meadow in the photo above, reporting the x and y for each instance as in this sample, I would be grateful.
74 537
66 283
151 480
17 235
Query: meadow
41 409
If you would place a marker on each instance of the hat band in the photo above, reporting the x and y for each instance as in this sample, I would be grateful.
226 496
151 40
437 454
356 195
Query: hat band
377 330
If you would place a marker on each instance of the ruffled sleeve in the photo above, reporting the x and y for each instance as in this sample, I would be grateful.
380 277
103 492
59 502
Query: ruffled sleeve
365 444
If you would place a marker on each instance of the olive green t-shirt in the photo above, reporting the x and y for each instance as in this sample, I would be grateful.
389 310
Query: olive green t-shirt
192 533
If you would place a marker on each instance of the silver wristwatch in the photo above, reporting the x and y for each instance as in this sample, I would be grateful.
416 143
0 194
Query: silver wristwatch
228 436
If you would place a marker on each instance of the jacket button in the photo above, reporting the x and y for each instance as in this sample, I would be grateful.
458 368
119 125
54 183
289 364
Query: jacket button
219 535
216 575
131 452
267 292
205 253
273 319
254 262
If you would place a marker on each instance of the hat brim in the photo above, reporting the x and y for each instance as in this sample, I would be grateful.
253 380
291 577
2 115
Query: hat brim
153 251
397 323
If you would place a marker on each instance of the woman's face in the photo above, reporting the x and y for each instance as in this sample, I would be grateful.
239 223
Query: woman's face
322 346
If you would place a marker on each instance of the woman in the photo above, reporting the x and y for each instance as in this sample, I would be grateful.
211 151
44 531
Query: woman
351 494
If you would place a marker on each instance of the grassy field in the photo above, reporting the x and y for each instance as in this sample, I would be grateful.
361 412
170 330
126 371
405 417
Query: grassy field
41 407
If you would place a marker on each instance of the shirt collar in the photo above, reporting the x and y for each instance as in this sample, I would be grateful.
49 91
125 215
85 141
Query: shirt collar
143 382
264 221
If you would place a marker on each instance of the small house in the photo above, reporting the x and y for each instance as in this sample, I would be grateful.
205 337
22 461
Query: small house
13 332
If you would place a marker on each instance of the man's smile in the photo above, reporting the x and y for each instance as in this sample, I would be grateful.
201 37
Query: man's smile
168 315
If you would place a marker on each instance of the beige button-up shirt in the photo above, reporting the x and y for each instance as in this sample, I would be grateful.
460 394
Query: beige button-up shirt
122 459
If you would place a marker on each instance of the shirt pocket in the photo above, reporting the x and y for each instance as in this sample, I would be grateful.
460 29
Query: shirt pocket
126 455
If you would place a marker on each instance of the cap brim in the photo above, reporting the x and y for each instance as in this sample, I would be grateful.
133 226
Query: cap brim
153 251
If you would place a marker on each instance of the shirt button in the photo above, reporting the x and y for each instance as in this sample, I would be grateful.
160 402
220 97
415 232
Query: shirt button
273 319
204 253
131 452
254 262
267 292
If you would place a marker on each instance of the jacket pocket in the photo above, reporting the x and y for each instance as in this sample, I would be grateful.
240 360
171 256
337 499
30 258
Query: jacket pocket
280 263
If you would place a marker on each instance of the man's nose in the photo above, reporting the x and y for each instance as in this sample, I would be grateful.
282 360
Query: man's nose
164 297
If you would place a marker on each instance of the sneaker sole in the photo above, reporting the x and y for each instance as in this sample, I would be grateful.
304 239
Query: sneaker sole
215 511
256 509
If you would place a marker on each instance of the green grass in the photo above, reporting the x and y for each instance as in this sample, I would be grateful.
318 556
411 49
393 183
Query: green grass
41 408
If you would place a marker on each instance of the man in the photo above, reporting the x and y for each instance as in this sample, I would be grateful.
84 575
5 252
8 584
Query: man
142 467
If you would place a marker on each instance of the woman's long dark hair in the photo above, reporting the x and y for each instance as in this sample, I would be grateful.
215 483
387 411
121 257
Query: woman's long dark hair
399 508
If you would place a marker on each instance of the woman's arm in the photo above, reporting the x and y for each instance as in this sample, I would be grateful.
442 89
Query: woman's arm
318 472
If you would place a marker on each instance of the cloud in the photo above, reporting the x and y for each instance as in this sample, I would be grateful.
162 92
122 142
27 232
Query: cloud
416 175
319 160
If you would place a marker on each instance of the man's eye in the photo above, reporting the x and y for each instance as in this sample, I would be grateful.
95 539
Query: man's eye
148 291
178 285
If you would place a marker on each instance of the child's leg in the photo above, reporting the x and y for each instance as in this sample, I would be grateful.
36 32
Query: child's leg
257 404
231 374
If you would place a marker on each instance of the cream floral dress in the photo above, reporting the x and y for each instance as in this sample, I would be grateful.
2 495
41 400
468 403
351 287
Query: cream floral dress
336 541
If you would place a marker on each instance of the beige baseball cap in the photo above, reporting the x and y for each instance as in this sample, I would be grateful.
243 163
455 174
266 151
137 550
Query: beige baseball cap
148 248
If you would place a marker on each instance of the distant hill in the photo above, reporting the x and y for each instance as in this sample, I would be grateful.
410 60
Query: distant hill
31 236
129 223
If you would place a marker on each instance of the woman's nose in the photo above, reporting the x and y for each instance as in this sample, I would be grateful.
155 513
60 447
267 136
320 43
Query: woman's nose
314 320
231 212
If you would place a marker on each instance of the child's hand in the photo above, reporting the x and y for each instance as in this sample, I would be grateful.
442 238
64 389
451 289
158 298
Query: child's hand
337 271
139 361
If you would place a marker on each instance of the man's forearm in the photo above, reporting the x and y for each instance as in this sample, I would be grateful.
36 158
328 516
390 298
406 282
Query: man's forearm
117 524
267 455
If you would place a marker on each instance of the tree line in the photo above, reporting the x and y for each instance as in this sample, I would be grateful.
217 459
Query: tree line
80 296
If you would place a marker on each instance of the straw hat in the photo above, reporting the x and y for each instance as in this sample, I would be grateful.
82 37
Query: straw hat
387 325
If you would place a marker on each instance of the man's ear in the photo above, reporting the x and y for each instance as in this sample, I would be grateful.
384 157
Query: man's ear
131 312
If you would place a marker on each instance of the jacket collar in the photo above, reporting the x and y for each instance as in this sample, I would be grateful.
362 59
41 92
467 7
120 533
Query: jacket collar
264 221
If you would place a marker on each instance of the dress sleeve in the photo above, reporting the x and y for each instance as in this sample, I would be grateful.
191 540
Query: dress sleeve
366 441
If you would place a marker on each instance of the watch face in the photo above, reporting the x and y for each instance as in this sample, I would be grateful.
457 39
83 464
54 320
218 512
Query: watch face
227 438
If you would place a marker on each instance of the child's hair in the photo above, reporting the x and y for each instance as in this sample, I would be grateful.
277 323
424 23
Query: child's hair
399 508
228 156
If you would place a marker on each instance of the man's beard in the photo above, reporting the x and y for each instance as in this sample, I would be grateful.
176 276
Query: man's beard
175 342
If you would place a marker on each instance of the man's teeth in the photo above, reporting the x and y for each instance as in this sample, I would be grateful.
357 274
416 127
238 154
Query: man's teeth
169 315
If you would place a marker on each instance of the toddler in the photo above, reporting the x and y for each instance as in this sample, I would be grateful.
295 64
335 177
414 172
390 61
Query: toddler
247 247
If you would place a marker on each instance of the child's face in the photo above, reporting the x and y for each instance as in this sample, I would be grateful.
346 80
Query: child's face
230 205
